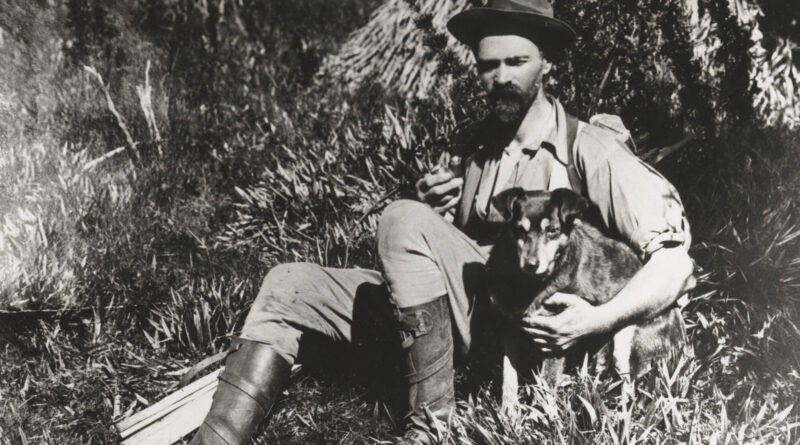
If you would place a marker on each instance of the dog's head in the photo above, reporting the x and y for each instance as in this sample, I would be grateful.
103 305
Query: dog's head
539 224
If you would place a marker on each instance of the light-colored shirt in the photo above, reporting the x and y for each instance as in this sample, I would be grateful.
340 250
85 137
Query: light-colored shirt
502 169
634 200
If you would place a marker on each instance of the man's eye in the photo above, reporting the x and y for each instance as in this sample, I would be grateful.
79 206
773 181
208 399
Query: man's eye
551 231
487 65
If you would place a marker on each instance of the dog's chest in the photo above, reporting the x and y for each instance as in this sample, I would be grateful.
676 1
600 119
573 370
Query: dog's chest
591 267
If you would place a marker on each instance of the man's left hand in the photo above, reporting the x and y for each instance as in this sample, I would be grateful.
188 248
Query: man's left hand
561 331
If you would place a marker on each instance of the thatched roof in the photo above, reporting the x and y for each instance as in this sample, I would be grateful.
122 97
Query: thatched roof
389 49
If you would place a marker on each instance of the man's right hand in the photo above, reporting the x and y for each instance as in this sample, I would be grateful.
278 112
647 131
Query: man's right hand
440 190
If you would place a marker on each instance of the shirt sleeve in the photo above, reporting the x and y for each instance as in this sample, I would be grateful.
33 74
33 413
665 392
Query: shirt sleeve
633 198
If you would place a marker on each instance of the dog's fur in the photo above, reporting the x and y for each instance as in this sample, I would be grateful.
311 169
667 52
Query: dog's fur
548 245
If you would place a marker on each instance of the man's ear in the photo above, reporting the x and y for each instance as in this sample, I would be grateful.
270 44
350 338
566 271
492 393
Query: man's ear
507 203
546 66
570 205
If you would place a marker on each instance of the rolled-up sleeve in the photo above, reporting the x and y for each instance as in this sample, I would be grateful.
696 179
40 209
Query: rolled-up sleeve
633 198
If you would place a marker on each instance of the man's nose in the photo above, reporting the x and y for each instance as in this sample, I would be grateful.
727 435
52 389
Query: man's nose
501 75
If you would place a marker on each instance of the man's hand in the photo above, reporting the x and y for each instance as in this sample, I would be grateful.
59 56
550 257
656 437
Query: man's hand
440 190
663 278
559 332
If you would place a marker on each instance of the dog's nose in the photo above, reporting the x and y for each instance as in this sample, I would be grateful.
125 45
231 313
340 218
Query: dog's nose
530 266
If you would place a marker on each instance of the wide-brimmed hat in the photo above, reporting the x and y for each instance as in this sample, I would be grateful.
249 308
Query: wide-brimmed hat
530 18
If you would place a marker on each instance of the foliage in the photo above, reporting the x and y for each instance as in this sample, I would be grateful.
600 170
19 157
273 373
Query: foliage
779 20
262 161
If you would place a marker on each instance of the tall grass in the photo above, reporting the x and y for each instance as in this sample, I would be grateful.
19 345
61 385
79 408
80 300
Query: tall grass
43 188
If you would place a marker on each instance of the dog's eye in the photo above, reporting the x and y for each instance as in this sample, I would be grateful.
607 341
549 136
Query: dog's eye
551 231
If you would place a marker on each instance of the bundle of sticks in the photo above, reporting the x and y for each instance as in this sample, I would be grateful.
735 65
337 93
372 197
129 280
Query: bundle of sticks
173 417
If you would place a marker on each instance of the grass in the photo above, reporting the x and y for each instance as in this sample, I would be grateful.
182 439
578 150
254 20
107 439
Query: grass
262 162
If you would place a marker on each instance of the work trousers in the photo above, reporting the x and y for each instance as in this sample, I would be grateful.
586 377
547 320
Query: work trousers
423 257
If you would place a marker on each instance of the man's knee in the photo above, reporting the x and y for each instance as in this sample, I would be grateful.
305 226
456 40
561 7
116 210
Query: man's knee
402 223
280 308
284 283
291 272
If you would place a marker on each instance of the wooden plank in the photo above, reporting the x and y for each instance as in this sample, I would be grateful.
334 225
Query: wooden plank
162 413
200 367
168 403
175 416
178 423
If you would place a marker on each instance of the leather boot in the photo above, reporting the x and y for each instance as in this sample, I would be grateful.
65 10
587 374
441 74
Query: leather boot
253 378
427 342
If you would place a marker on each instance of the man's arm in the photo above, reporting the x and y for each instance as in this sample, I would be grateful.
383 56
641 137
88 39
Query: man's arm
659 283
644 208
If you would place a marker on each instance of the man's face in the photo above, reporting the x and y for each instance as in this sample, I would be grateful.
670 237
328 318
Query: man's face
511 69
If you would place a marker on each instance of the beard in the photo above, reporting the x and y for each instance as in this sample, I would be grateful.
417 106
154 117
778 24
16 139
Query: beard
510 103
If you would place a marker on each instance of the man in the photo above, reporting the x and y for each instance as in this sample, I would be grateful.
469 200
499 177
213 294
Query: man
424 256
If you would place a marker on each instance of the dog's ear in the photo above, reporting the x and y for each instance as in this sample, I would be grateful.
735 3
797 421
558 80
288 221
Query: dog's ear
507 203
569 205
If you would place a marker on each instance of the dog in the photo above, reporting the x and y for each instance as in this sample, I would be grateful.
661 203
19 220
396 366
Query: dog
551 243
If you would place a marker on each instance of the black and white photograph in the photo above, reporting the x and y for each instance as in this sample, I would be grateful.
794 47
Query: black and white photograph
399 222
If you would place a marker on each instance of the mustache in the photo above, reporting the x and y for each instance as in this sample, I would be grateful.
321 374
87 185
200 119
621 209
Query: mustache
502 93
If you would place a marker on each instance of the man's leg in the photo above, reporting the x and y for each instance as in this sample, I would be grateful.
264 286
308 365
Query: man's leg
293 299
424 259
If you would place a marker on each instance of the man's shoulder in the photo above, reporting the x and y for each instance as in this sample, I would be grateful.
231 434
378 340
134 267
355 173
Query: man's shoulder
591 134
595 144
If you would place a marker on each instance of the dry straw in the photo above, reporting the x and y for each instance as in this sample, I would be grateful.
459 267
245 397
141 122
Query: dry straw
389 50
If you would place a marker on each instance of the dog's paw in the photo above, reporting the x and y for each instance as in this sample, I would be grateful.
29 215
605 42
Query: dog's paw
510 399
628 393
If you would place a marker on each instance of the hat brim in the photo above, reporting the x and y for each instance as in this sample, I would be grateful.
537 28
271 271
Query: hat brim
471 25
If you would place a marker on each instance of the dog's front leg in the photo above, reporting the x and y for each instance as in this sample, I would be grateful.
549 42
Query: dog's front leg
511 362
553 371
623 347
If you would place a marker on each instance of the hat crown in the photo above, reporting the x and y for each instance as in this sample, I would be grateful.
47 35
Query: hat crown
541 7
529 18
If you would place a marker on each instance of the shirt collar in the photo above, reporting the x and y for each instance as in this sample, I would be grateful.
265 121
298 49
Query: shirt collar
552 135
